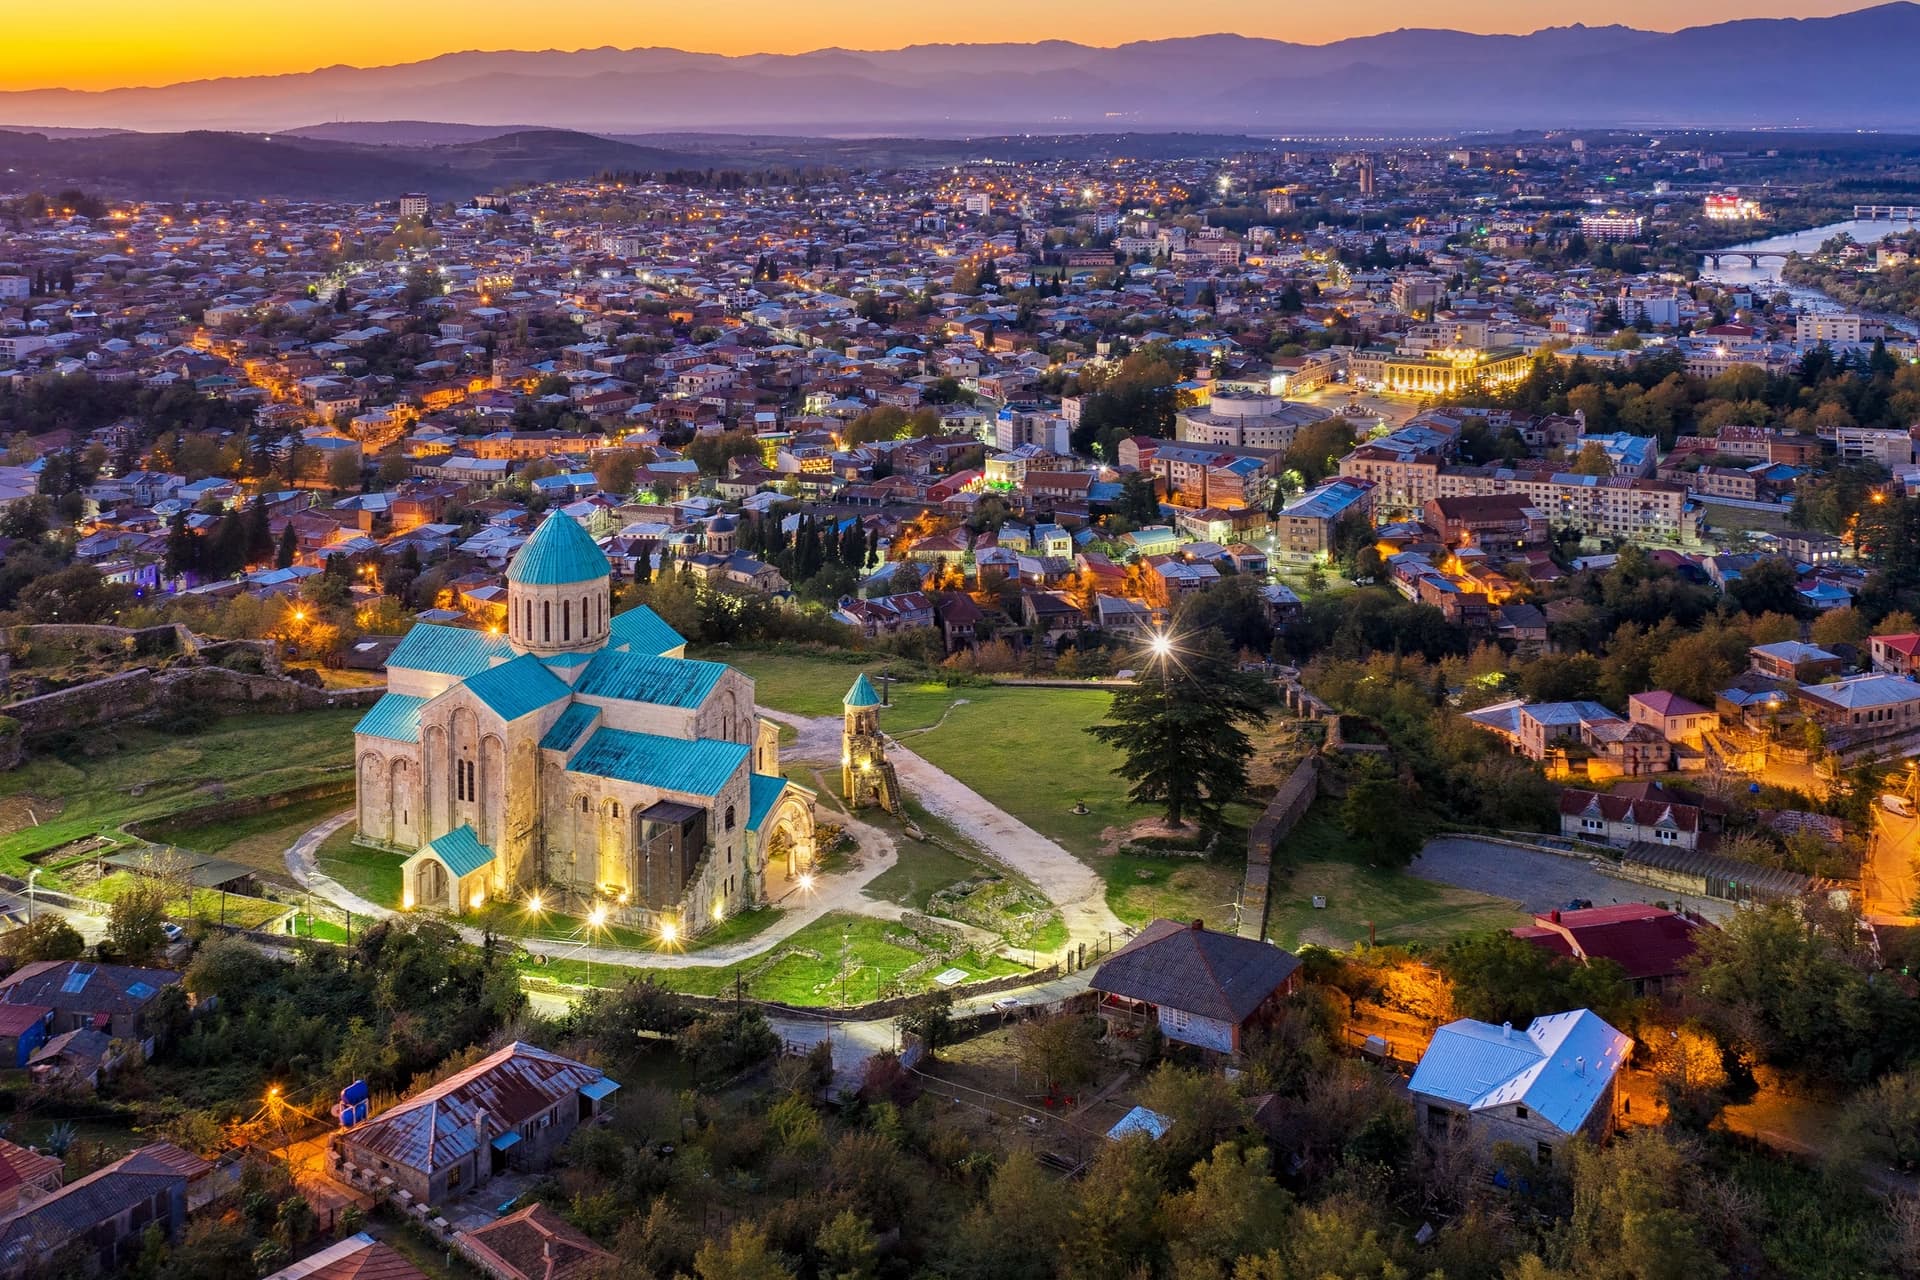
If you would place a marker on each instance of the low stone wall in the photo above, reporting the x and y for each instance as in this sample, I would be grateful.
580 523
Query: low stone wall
168 638
1276 823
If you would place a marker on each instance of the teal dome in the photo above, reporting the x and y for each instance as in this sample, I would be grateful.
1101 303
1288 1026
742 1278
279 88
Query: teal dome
559 551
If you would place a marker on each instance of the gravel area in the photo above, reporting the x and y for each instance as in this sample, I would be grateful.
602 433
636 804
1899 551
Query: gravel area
1539 881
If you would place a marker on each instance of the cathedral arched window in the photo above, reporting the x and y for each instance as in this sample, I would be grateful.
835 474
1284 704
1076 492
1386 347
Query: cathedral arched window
546 621
729 817
566 620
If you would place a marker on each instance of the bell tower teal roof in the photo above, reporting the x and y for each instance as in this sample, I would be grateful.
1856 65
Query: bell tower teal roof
862 694
560 551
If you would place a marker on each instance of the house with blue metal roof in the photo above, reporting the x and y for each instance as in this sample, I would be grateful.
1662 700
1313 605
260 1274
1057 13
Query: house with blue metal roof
578 756
1534 1088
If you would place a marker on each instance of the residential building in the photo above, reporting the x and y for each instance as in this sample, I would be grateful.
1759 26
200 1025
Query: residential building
1622 821
1534 1088
1650 944
358 1257
1672 716
1896 654
1888 447
1307 528
118 999
1793 660
1862 713
1506 520
1199 986
533 1243
514 1109
1618 227
107 1214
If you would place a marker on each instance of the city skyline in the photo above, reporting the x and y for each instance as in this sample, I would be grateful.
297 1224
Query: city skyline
131 46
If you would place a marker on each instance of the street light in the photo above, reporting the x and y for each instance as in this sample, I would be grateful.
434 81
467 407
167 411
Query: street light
31 877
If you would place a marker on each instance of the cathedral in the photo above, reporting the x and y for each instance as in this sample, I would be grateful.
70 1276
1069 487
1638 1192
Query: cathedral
580 757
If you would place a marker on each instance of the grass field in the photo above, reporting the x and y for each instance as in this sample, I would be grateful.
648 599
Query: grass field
838 959
1401 908
143 773
204 904
923 870
370 873
260 840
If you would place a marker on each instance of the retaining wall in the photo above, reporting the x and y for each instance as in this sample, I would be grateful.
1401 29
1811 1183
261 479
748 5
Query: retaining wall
1275 824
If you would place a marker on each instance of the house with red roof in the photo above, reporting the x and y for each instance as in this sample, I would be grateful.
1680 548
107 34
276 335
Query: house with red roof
1673 717
1897 655
1650 944
1623 821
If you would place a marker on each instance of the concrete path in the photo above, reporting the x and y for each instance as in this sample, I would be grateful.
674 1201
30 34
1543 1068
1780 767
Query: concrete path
842 891
1065 880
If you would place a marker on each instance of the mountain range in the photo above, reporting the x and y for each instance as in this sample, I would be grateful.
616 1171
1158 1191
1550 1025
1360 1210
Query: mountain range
1847 71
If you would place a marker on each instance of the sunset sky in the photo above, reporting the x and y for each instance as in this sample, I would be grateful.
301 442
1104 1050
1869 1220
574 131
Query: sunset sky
112 43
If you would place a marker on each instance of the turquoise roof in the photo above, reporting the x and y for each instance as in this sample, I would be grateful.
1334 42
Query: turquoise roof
641 630
395 716
559 551
450 651
517 688
460 849
862 694
639 677
567 729
557 660
764 792
701 766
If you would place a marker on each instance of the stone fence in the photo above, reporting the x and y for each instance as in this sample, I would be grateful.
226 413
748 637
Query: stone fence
1275 823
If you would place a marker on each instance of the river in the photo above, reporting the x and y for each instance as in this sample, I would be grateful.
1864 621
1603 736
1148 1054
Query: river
1765 278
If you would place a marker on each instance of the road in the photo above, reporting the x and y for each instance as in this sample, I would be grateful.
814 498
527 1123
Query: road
1888 881
1539 881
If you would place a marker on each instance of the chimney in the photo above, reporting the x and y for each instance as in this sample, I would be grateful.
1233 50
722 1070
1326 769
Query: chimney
1555 916
1580 1066
1506 1031
1198 925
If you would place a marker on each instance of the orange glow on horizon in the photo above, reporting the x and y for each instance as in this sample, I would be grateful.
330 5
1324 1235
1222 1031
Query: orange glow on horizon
120 43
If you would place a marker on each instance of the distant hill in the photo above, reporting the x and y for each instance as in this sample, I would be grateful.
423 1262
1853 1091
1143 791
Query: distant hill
208 165
402 133
1848 71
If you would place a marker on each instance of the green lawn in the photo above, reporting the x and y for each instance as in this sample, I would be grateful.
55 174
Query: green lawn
370 873
143 773
923 870
1027 751
1401 908
259 840
513 920
806 969
204 904
804 685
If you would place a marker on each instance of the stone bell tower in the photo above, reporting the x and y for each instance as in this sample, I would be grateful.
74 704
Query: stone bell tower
866 776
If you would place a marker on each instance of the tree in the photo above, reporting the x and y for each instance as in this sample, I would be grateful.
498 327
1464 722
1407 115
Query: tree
1179 728
930 1021
1767 587
1691 1070
343 469
847 1247
1500 978
1377 814
47 936
1593 461
76 593
284 554
745 1255
134 921
1233 1209
1059 1051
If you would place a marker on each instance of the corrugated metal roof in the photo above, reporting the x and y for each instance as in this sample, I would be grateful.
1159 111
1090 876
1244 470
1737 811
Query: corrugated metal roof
460 850
763 792
641 630
559 551
1558 1067
517 688
640 677
443 1124
450 651
566 731
395 717
700 766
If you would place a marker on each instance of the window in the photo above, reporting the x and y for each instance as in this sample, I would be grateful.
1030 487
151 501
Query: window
1519 1112
566 620
616 808
1178 1019
586 806
464 781
1543 1155
729 817
546 620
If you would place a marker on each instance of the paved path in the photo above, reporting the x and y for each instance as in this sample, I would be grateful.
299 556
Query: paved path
1065 880
1540 881
842 891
